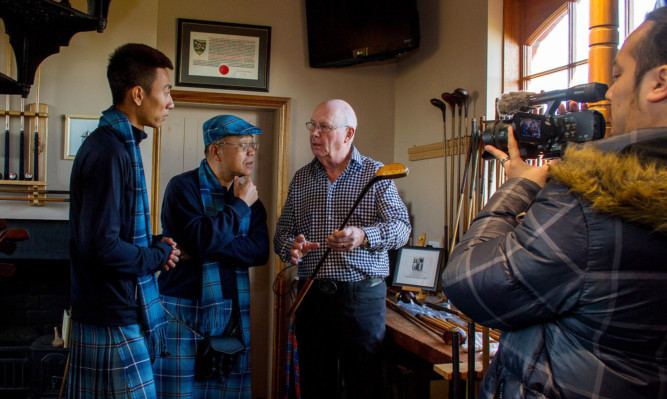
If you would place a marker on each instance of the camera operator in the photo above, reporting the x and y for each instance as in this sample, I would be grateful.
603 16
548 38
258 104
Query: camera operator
578 284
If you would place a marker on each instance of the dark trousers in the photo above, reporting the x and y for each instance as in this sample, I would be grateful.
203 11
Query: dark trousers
340 338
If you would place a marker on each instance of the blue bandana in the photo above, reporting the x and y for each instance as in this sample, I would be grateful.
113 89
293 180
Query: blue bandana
212 303
152 316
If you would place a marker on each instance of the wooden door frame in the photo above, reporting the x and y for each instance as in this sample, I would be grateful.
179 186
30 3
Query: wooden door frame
282 105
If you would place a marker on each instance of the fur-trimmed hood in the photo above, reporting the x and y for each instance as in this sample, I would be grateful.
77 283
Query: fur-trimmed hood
625 185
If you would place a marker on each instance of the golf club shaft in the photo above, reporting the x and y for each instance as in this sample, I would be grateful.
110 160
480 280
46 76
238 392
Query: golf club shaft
22 142
34 199
35 148
7 136
27 191
443 109
461 197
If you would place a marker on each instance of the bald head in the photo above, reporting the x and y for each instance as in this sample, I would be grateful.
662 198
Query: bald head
341 111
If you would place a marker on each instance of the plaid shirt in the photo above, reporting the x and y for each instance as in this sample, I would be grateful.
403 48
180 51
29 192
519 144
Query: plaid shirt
577 292
315 207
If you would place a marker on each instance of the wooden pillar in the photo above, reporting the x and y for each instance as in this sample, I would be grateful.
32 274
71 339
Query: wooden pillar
603 43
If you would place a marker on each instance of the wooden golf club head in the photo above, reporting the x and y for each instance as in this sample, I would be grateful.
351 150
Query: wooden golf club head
443 107
7 247
391 171
462 93
14 234
450 99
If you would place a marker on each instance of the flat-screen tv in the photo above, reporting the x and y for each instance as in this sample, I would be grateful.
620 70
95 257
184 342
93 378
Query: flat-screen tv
349 32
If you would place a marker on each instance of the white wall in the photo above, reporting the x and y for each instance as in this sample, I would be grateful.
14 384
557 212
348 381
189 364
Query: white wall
453 54
369 89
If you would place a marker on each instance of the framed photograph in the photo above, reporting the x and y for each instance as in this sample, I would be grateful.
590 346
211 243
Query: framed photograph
77 129
222 55
418 267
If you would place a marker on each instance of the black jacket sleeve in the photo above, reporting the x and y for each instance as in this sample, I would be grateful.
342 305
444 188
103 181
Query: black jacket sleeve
213 238
104 201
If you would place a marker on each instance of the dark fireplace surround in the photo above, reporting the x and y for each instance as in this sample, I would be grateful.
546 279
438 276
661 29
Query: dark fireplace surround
33 298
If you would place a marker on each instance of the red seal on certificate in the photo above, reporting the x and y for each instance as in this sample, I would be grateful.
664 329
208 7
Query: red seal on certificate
224 69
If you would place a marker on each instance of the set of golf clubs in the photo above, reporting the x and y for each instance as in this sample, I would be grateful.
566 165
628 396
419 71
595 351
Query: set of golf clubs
457 143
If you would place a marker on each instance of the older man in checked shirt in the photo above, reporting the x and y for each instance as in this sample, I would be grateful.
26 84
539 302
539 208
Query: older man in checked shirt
340 325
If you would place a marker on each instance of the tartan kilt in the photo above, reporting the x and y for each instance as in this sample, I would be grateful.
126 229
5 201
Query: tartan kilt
175 372
109 362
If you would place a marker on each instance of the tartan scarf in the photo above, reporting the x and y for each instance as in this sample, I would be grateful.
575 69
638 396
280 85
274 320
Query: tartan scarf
213 199
152 316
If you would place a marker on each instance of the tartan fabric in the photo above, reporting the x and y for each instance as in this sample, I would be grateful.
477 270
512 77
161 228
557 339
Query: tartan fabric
152 316
315 207
579 287
174 374
293 388
213 200
109 362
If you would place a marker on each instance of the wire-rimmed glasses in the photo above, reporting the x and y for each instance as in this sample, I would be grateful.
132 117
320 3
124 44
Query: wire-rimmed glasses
322 127
245 147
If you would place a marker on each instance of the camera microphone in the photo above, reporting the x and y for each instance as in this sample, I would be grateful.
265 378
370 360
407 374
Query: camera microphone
586 93
514 102
511 103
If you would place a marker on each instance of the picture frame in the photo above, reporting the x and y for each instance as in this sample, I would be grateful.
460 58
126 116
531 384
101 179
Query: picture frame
77 128
223 55
418 267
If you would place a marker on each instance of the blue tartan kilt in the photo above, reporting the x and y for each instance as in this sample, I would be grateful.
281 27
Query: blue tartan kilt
109 362
175 372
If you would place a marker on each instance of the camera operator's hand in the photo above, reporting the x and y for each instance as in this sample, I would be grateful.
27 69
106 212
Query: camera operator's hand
515 166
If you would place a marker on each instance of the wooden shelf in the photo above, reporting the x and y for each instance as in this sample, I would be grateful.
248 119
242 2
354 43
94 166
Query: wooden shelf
435 150
35 191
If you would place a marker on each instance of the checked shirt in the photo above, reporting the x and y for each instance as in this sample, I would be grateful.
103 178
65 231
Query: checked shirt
315 207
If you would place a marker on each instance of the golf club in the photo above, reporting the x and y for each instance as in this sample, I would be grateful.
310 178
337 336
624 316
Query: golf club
443 108
7 135
14 234
7 247
452 101
6 174
35 147
464 101
22 142
389 171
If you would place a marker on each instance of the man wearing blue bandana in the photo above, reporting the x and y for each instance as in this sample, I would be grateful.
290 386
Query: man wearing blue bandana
215 215
118 325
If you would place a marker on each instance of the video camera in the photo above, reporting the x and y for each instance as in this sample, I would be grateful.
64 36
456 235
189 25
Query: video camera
547 135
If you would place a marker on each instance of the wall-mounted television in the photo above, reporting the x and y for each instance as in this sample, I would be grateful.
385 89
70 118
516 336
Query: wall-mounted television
349 32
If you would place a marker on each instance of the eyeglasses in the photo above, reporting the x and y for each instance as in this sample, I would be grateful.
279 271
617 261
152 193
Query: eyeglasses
245 147
322 127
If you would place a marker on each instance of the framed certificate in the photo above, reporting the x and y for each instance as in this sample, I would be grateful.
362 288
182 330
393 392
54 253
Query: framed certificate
223 55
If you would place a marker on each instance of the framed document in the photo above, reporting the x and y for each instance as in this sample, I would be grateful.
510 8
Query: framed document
223 55
418 267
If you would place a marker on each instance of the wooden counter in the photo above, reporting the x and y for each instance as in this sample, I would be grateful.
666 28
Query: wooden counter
413 338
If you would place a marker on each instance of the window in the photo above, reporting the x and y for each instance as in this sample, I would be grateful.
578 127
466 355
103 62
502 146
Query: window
556 54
